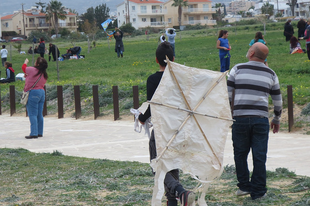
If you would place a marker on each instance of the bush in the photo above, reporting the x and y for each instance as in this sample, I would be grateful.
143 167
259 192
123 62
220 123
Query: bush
127 28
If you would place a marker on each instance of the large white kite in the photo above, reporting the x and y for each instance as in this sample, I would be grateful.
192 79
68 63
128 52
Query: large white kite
191 117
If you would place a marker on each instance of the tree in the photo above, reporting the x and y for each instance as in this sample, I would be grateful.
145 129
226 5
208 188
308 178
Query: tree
101 14
267 9
180 4
90 30
292 4
54 12
218 13
40 4
89 15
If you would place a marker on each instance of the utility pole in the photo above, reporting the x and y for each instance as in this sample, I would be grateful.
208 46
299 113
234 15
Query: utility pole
23 18
128 16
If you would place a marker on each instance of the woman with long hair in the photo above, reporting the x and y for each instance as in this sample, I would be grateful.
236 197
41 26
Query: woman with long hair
36 77
259 37
295 46
223 45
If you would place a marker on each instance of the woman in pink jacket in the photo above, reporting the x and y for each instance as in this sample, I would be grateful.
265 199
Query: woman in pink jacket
35 76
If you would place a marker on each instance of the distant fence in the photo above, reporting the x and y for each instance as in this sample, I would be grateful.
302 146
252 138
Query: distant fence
135 90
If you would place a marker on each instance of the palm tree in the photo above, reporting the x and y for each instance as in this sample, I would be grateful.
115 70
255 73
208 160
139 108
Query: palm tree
54 12
180 4
267 9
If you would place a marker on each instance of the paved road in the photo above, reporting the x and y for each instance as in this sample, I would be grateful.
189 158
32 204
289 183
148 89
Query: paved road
116 140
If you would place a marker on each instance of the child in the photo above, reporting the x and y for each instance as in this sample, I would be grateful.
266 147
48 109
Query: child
10 75
224 47
295 46
173 187
170 33
4 54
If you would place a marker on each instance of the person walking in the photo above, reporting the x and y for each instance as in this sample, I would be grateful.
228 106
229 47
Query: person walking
170 33
252 83
173 187
4 54
288 30
301 25
223 45
41 47
35 80
119 46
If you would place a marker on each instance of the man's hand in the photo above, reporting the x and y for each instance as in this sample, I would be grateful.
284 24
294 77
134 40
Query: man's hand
275 127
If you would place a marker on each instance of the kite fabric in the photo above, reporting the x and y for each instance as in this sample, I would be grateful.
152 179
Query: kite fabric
106 24
191 117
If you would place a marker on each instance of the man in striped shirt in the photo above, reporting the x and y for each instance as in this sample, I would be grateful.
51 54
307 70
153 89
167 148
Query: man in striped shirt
253 82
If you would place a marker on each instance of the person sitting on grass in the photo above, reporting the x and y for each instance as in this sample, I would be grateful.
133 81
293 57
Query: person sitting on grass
295 46
10 73
174 189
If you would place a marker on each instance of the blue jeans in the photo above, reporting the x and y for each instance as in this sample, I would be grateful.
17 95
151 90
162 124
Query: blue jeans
173 48
225 62
119 51
251 133
35 111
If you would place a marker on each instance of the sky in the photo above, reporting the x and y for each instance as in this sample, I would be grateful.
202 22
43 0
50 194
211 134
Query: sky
9 6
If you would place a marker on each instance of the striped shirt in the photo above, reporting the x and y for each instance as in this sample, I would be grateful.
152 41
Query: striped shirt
253 82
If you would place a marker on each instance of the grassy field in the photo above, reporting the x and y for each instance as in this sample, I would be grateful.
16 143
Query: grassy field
195 48
29 179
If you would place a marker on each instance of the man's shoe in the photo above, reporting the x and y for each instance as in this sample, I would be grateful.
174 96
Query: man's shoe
262 197
31 137
241 193
187 198
122 55
40 135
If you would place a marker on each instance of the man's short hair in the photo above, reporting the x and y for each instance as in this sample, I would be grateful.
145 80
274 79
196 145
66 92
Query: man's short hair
164 49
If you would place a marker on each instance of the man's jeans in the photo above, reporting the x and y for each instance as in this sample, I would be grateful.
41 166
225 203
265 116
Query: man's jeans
119 51
247 133
35 111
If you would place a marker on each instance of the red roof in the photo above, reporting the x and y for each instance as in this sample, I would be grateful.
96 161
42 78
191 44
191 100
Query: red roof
198 0
7 17
146 1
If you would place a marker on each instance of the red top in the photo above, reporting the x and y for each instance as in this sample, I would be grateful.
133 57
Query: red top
31 78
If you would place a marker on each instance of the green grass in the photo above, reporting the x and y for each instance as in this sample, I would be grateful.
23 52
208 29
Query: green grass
29 179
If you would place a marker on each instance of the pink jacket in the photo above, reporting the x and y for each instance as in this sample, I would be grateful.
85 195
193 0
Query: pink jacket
31 78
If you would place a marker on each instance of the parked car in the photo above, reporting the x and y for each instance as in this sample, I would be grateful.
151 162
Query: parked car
2 40
14 39
54 36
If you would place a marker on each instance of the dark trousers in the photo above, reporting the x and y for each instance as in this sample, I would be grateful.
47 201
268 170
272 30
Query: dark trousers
308 50
42 55
3 61
251 133
171 181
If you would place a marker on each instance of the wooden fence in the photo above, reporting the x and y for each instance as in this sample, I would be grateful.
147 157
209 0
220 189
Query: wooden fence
135 90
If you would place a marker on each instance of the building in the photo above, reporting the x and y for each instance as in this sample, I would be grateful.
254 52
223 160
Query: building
24 23
241 5
154 13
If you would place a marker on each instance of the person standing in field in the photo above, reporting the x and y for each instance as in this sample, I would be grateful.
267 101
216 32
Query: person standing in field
301 25
119 46
41 47
171 35
288 30
223 45
307 38
4 54
252 83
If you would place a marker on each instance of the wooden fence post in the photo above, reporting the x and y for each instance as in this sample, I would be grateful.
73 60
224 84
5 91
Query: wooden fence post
77 99
290 107
115 102
45 107
0 100
12 100
135 91
60 102
96 101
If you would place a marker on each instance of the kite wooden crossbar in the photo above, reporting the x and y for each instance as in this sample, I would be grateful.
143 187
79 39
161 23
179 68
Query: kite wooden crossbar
191 112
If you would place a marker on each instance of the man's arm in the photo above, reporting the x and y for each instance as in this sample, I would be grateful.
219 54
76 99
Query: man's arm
276 96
